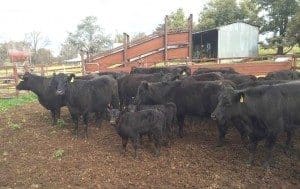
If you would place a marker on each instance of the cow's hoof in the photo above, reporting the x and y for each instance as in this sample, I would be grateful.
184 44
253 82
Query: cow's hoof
157 154
266 165
249 162
220 144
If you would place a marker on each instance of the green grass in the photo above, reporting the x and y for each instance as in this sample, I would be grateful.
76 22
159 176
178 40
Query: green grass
58 154
5 104
262 51
15 126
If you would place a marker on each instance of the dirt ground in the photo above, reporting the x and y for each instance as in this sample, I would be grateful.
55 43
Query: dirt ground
33 154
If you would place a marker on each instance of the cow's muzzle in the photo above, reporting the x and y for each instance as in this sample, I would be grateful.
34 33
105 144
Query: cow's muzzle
59 92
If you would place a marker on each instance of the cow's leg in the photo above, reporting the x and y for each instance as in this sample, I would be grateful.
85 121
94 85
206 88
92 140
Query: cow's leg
115 101
98 119
141 139
269 145
58 113
157 142
124 144
150 138
174 125
135 143
85 120
223 128
243 133
252 150
53 115
75 121
180 119
288 143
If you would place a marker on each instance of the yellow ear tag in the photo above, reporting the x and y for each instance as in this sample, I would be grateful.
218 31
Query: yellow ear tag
242 99
72 80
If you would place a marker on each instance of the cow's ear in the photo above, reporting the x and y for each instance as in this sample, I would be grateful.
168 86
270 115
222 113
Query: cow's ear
241 97
145 85
71 77
25 76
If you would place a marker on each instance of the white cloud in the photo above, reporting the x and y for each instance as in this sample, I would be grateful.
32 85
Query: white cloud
54 18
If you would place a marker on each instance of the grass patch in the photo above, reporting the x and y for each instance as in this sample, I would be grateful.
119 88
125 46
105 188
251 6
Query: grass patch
15 126
5 104
61 123
268 51
58 154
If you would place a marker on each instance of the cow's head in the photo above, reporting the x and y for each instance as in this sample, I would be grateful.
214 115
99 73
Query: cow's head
60 81
170 77
228 105
143 94
114 116
26 81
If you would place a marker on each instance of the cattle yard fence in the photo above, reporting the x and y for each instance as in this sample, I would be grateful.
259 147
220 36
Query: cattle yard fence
9 75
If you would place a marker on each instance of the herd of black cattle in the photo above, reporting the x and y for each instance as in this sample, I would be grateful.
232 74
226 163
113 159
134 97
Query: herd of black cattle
155 101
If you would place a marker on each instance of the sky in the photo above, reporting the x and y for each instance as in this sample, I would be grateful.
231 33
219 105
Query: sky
55 18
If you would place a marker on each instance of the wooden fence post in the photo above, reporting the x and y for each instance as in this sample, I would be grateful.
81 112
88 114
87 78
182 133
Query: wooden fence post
42 70
166 40
125 46
294 64
82 63
16 77
190 28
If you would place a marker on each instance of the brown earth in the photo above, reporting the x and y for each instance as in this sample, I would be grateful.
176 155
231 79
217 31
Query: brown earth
28 144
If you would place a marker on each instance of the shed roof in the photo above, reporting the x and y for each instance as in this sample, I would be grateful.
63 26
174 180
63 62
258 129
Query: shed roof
217 28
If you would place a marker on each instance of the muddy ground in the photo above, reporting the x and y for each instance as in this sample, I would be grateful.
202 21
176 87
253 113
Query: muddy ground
35 154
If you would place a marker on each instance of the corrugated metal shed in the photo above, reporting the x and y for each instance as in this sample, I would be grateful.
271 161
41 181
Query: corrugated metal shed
237 40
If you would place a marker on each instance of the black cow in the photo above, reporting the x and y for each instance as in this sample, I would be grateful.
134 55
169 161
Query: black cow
181 70
211 76
47 97
239 78
128 85
283 75
263 111
132 125
87 77
259 82
191 98
87 96
170 111
224 70
116 75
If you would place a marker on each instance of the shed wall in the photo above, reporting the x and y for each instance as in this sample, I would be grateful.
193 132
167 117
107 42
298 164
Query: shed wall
237 40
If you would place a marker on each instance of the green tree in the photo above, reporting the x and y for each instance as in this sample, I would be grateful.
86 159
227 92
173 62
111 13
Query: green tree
221 12
118 38
36 41
278 16
89 38
293 31
3 53
176 20
44 56
68 51
138 36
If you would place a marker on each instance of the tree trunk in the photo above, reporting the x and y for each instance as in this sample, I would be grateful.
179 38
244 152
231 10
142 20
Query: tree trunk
280 50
